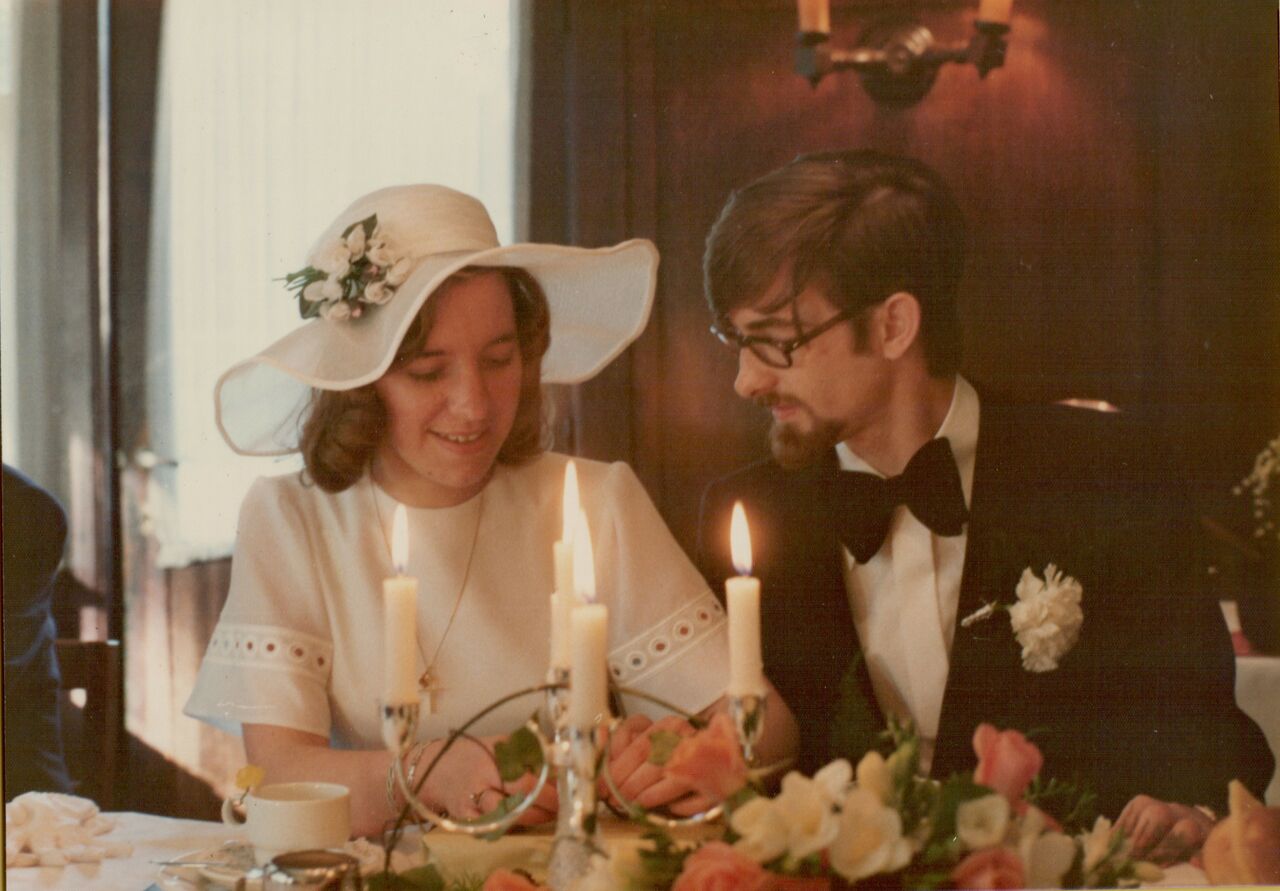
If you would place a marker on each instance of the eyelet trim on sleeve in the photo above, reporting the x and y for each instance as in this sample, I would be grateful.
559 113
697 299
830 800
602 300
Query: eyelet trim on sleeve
667 641
270 646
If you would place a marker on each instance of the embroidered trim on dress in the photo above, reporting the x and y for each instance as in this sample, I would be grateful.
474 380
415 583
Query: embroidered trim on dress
270 646
672 637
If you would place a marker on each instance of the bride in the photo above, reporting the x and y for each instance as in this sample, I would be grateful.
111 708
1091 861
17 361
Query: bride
417 382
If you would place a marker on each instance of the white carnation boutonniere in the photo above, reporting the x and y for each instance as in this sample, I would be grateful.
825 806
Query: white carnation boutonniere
349 274
1046 617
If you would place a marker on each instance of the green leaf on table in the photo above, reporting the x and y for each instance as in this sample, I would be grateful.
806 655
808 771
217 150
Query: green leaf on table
420 878
517 755
662 744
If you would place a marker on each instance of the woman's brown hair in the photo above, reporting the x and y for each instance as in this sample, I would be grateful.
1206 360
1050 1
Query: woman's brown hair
343 428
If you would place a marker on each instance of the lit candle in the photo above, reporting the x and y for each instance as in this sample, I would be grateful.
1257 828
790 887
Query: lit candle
746 668
400 619
562 599
589 635
815 16
995 11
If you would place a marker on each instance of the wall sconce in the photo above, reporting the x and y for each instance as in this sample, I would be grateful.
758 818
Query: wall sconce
898 60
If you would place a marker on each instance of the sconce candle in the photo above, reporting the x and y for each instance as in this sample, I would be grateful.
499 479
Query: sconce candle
995 11
562 599
815 16
400 619
589 637
746 666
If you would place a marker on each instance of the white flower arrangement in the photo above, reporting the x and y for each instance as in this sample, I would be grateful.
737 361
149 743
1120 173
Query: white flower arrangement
1265 473
361 268
1046 618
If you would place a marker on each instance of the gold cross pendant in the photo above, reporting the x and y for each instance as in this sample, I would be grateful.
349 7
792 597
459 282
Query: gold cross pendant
427 686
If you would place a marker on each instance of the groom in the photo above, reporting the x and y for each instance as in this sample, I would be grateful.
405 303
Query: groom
834 278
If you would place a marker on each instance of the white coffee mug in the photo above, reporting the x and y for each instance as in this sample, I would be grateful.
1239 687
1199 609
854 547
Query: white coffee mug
282 817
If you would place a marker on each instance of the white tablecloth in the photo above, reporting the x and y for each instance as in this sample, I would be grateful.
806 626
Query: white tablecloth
152 837
165 838
1258 693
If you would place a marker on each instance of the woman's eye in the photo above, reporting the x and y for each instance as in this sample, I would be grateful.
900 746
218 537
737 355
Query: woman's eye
501 360
425 374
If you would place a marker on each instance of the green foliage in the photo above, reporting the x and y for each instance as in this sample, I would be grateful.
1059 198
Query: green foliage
662 744
659 865
422 878
856 724
518 754
1071 804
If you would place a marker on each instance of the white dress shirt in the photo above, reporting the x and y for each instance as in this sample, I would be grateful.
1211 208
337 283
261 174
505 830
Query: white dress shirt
904 599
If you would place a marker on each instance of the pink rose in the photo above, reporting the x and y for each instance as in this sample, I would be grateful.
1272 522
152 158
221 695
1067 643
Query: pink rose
506 880
1007 761
989 868
717 866
710 762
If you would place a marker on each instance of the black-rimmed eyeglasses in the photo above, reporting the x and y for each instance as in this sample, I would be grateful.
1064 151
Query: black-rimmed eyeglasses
774 353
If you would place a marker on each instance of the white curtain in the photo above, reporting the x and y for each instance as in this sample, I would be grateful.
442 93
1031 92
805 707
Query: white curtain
273 116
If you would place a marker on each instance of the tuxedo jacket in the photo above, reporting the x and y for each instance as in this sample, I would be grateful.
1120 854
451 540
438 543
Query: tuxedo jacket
34 532
1144 702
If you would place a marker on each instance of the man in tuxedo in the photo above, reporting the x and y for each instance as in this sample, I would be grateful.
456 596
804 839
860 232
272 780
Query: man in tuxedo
900 500
34 533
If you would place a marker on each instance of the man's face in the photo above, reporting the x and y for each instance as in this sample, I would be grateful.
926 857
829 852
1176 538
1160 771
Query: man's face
833 390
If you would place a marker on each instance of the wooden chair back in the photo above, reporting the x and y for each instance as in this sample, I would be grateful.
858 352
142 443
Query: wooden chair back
92 735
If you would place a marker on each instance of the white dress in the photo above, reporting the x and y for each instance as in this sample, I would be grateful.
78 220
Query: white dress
299 642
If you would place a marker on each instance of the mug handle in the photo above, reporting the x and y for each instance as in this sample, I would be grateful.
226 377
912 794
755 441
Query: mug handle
233 811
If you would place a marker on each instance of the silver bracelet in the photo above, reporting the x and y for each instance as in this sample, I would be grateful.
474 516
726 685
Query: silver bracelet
411 759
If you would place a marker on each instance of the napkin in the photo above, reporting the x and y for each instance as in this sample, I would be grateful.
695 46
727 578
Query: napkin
53 829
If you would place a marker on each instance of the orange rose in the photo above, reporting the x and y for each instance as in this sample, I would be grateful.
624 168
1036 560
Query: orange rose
1007 761
710 762
717 866
988 869
506 880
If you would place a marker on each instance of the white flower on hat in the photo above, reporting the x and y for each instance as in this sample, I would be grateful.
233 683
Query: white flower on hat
380 251
334 259
336 312
331 288
356 242
378 293
358 268
397 274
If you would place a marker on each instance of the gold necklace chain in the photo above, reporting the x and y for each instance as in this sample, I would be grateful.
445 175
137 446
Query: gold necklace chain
427 681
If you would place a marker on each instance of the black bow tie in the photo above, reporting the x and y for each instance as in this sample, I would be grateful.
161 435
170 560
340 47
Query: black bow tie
929 487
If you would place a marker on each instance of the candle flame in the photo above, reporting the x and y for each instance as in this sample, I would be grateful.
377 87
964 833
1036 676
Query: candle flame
572 503
584 570
400 539
740 540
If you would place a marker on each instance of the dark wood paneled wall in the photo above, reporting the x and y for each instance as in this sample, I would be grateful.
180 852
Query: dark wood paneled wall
1119 176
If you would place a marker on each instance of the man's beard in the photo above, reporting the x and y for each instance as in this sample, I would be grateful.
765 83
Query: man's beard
793 449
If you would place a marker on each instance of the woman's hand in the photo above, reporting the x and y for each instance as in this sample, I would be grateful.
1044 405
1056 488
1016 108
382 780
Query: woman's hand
641 782
1163 831
466 785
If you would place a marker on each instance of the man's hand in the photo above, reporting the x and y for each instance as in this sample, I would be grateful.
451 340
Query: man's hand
1163 831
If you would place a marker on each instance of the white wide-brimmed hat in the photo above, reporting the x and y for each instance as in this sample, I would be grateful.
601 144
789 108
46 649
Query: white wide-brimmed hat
371 271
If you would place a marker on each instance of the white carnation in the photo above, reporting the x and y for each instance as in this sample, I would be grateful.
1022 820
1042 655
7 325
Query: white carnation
1047 617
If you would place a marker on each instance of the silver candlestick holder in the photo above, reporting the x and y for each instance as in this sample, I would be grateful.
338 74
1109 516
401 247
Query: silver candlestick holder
576 756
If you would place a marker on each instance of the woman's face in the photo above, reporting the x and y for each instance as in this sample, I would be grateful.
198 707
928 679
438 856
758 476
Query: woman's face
451 407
